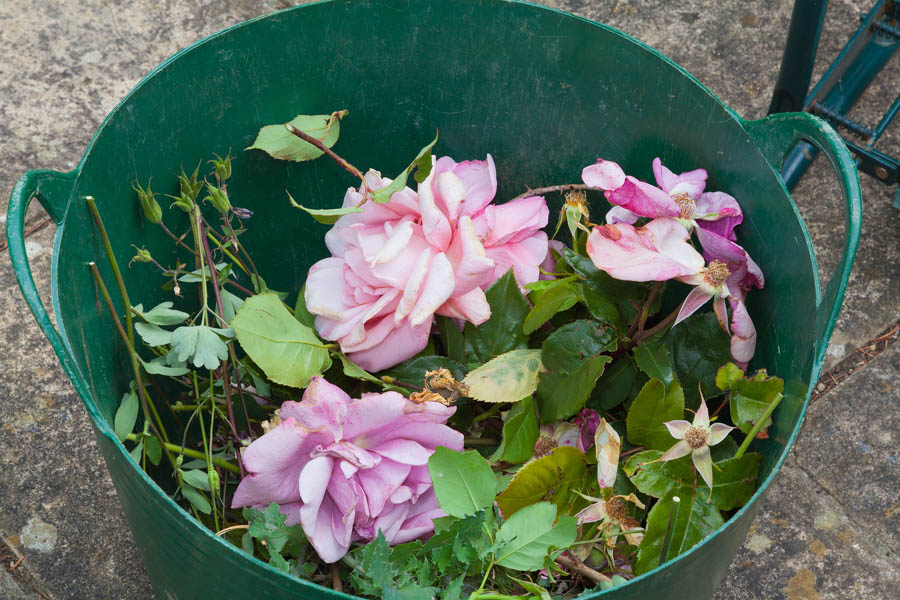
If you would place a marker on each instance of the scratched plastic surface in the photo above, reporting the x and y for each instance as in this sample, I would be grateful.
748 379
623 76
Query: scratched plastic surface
546 93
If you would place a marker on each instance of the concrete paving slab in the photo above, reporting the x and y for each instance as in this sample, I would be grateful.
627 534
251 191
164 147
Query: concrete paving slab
849 447
804 546
63 66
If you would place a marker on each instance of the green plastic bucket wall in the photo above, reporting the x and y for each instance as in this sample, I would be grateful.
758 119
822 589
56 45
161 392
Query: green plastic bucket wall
544 92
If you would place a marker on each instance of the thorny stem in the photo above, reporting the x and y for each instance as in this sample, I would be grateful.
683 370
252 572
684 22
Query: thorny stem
146 405
225 374
479 442
92 207
565 187
758 425
332 155
648 333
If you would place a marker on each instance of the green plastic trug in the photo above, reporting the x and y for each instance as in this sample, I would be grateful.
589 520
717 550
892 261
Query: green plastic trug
544 92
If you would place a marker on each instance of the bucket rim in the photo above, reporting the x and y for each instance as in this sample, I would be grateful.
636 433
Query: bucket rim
104 428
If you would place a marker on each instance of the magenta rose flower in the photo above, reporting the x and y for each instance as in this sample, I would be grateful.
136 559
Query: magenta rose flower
395 265
346 468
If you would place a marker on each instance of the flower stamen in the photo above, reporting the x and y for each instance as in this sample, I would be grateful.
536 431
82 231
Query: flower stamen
687 205
696 437
716 273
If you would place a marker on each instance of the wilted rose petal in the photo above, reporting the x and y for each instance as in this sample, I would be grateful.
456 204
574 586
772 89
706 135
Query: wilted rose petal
607 444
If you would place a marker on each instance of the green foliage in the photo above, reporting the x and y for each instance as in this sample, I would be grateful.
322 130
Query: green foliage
556 299
652 358
574 359
159 366
287 351
734 479
549 478
607 299
527 537
153 335
413 370
452 337
280 542
506 378
126 415
153 448
463 481
201 345
421 164
750 397
278 142
520 432
615 385
326 216
502 332
161 314
692 520
650 410
698 347
301 313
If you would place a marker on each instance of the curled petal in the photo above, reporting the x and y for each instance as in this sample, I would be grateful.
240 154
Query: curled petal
643 199
689 183
438 286
479 177
677 451
607 445
718 432
743 337
701 417
593 513
703 462
719 213
677 428
471 266
472 307
695 299
617 214
604 174
658 251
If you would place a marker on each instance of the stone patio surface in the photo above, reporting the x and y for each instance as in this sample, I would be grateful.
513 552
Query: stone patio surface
829 527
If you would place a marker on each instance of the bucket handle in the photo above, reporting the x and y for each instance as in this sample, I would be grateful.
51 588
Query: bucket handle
775 135
53 190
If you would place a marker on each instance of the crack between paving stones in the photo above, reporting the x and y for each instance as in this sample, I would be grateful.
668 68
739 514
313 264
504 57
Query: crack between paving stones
21 575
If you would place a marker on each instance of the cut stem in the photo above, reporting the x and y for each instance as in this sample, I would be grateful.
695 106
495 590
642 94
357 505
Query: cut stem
332 155
579 568
758 425
565 187
114 265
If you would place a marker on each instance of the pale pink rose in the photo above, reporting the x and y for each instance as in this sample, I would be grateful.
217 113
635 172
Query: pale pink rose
658 251
395 265
345 468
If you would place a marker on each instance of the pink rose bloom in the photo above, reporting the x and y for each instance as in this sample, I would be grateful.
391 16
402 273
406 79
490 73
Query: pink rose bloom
345 468
679 196
658 251
395 265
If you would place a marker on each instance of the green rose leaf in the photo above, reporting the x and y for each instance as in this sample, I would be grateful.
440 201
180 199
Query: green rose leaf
574 360
502 332
653 359
751 397
693 519
326 216
526 538
734 479
126 416
301 313
422 166
452 337
650 410
555 300
614 386
351 369
698 347
520 432
548 478
602 291
161 314
507 378
287 351
278 142
463 481
200 344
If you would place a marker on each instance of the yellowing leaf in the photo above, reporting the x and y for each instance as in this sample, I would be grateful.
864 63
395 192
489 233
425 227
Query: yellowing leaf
507 378
546 479
607 444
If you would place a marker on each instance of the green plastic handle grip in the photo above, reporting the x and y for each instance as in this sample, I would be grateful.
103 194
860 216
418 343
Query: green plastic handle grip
775 135
53 190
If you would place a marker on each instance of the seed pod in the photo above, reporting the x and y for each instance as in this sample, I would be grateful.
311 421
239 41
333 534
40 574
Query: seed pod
218 198
149 206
